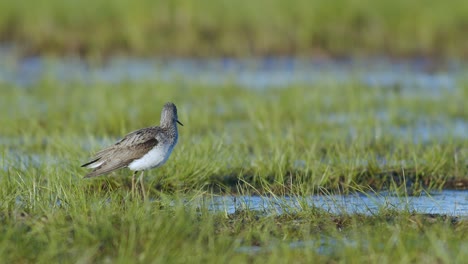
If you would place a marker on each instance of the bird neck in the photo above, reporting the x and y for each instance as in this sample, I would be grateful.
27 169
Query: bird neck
169 126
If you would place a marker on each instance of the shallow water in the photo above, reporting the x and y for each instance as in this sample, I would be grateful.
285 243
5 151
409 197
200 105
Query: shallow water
446 202
257 73
409 77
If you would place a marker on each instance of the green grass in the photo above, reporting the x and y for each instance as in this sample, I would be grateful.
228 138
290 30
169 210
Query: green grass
237 28
288 140
90 226
282 140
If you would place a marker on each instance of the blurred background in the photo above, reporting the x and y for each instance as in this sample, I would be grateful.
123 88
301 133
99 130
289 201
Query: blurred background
209 28
215 41
252 77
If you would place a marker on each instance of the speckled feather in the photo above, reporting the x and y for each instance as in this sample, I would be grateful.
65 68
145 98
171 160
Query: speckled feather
137 144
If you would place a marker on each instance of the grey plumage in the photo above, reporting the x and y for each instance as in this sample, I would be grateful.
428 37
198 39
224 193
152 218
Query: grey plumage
137 144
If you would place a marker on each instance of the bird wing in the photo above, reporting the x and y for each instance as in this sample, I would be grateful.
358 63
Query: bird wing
133 146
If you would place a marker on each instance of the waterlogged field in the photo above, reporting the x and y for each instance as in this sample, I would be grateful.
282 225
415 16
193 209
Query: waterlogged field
287 141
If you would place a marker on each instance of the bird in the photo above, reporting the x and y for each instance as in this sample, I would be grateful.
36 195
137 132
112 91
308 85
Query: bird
140 150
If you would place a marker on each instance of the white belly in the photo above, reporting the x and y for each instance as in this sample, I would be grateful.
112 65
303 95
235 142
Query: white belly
154 158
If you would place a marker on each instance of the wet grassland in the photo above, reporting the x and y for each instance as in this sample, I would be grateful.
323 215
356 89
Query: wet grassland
287 141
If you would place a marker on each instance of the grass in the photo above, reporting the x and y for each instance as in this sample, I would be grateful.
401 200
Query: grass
330 136
293 140
60 219
240 28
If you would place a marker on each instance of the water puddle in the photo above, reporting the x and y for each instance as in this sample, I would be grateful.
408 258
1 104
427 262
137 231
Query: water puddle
409 77
446 202
257 73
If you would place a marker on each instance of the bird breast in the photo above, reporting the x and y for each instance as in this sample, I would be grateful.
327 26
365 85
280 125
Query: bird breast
154 158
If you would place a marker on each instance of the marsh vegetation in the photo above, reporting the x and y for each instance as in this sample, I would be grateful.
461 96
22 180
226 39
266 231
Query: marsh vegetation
323 138
357 155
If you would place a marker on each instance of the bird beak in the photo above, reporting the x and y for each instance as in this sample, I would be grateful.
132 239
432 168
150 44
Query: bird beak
180 123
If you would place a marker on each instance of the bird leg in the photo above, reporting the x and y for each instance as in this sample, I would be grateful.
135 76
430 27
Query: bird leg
142 185
133 183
